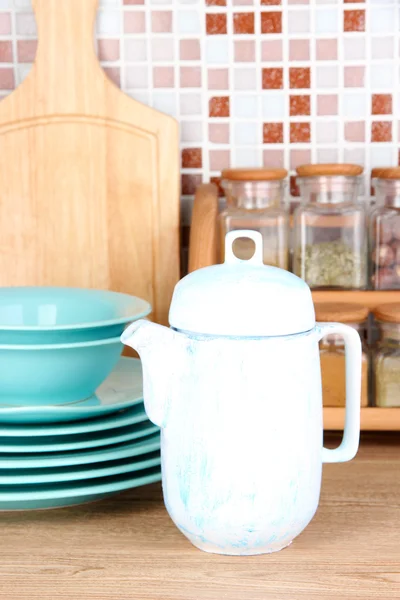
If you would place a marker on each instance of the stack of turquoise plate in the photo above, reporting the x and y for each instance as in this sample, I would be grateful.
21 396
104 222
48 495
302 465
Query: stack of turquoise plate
73 427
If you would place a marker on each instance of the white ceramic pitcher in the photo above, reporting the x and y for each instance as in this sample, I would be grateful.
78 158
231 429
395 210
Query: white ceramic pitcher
235 385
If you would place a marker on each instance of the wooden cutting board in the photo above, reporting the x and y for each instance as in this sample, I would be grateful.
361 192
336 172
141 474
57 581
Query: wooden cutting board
89 178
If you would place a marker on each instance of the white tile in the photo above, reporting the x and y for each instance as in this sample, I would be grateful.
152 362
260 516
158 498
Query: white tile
191 131
327 132
162 50
135 50
136 77
245 79
354 48
142 97
299 21
382 47
109 3
247 134
4 4
328 1
20 3
188 21
327 155
190 104
161 1
382 19
327 20
354 105
108 22
246 157
244 105
327 76
381 76
381 156
189 1
165 102
354 156
273 105
217 50
26 24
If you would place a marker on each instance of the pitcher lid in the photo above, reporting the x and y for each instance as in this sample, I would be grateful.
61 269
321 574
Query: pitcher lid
242 298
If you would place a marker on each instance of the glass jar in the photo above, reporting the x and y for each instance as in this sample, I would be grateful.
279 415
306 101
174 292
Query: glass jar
255 200
332 351
387 356
384 232
330 241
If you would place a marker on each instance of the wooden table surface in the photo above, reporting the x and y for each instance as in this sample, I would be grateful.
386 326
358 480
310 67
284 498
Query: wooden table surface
127 548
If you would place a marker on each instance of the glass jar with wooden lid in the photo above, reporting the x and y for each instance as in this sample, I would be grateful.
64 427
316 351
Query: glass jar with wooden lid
330 241
332 351
255 199
387 356
384 231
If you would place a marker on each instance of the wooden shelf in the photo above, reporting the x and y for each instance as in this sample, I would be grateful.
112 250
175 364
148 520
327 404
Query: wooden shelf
370 298
372 419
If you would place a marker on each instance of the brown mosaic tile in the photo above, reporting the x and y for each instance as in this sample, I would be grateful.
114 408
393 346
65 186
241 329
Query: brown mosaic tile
216 23
243 23
216 2
219 106
354 20
354 1
271 2
272 78
6 51
189 183
381 104
273 133
300 133
271 22
381 131
300 77
294 188
192 158
300 105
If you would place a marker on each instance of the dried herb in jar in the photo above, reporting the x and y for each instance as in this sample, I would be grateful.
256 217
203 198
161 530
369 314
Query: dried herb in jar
331 264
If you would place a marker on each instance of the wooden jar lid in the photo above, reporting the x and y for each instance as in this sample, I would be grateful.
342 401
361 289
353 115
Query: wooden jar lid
376 171
390 312
388 173
254 174
340 312
329 170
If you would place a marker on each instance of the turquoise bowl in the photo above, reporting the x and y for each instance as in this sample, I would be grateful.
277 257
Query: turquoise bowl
57 315
49 374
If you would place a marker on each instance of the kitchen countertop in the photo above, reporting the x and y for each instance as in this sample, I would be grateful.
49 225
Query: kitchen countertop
127 548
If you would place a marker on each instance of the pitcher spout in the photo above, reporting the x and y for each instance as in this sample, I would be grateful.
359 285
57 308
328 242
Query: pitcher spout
157 347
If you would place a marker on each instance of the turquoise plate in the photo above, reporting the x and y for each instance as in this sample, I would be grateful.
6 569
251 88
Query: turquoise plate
84 457
122 388
62 443
130 416
115 467
68 494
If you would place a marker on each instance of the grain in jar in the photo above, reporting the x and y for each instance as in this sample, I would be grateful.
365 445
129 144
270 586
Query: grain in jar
386 360
332 351
384 231
255 200
330 241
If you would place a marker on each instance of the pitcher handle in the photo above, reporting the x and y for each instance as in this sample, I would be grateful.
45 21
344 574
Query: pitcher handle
353 354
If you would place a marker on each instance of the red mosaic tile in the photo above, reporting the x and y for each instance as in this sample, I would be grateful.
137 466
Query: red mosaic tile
354 1
189 183
243 23
114 73
108 50
300 77
381 131
272 78
6 52
300 105
216 2
271 2
7 81
192 158
300 133
129 2
294 188
216 23
218 79
219 106
354 20
381 104
271 22
273 133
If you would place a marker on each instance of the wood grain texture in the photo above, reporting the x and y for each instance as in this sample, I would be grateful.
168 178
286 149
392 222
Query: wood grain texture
373 418
127 547
203 232
90 177
371 299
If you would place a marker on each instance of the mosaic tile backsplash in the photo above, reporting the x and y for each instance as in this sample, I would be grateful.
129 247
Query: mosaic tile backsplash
252 82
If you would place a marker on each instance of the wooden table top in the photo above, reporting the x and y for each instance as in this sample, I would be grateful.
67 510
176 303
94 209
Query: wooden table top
127 548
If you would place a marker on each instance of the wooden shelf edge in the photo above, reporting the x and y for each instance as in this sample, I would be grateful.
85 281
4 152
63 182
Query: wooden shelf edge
372 419
369 298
